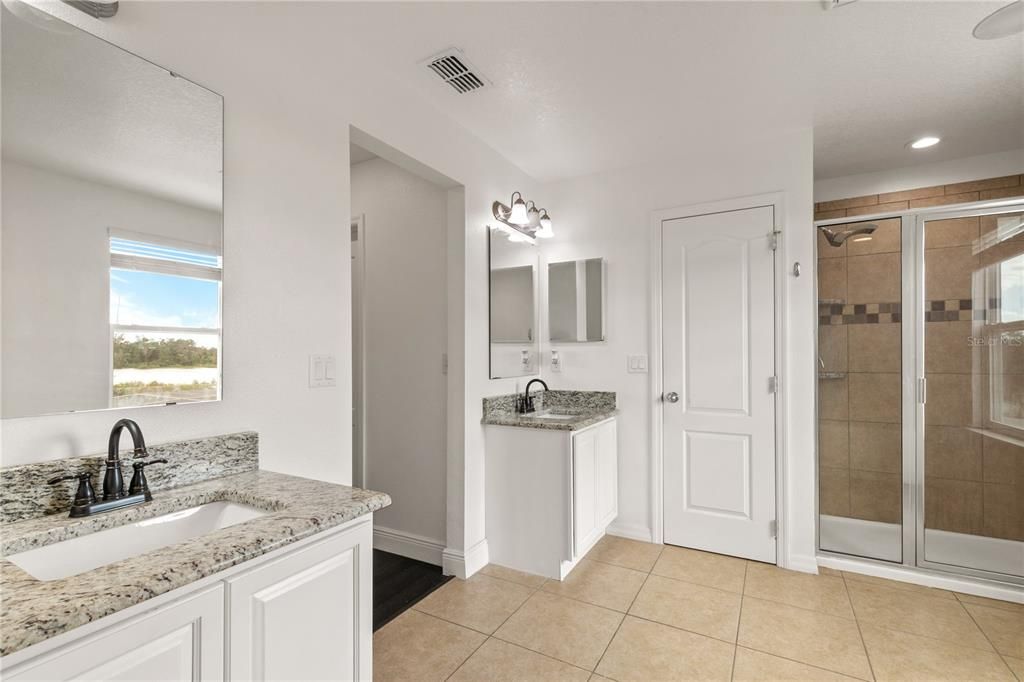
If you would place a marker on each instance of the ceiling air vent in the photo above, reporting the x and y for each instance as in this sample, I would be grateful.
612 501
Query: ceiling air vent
451 67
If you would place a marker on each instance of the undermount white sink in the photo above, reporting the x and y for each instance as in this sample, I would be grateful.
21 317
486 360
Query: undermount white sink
77 555
554 415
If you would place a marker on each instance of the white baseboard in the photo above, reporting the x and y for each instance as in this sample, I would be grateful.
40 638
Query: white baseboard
463 564
632 531
802 563
408 545
918 576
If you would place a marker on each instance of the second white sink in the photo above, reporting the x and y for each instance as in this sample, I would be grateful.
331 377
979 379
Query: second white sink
77 555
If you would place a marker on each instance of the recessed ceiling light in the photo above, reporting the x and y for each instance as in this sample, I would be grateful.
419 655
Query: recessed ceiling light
924 142
1004 22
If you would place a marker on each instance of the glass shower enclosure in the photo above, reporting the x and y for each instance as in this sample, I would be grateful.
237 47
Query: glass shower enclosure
921 388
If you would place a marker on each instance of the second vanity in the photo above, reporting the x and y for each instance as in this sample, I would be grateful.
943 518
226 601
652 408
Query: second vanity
247 575
551 479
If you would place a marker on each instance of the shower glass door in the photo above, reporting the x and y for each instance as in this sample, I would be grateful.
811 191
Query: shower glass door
971 446
860 394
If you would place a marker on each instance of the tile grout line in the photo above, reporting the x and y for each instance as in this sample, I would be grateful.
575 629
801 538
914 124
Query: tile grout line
739 620
491 635
633 601
985 635
860 632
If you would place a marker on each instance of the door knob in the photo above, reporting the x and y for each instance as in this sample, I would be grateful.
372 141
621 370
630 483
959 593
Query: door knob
672 397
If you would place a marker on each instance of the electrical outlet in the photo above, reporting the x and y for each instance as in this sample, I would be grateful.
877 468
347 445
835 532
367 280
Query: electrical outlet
636 364
556 361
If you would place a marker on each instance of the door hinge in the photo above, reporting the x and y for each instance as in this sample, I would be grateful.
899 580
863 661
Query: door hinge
773 528
773 239
922 390
773 384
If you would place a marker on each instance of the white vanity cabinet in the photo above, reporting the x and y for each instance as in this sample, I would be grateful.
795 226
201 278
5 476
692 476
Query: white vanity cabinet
551 494
300 612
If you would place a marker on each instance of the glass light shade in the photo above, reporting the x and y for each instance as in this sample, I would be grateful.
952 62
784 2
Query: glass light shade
518 214
545 231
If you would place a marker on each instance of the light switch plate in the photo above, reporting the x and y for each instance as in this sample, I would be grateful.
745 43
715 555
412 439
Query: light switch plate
323 370
636 364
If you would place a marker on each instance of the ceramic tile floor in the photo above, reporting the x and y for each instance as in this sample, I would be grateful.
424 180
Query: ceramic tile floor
636 611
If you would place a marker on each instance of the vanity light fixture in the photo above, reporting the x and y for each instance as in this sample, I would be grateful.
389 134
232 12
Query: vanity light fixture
522 218
924 142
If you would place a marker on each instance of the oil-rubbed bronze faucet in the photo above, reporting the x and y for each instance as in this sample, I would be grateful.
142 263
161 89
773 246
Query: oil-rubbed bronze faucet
524 403
114 496
113 479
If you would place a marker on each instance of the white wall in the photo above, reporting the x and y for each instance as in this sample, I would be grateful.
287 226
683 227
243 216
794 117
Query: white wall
406 329
56 264
608 216
292 88
925 175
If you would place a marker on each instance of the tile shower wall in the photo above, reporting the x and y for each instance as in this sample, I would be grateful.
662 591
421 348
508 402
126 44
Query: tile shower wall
978 190
859 331
974 481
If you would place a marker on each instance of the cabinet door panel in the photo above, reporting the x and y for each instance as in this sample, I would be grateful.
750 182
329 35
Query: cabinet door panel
584 491
302 616
607 474
183 640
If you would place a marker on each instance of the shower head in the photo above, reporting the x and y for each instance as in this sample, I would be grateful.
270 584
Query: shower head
838 234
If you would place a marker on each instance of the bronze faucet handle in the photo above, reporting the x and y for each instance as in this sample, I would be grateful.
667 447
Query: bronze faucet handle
85 495
139 484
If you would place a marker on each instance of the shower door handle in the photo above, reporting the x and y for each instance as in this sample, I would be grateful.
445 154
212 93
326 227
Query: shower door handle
922 390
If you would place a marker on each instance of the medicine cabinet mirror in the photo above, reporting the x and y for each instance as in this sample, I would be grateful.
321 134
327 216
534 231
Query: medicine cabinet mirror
576 300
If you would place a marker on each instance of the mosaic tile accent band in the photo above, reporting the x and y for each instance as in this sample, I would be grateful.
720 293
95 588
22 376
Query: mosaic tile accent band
955 310
859 313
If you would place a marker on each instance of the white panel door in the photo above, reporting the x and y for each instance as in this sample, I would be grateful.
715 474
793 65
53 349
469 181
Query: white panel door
183 640
299 618
718 321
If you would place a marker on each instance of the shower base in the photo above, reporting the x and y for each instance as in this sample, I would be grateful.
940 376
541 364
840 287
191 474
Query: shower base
884 541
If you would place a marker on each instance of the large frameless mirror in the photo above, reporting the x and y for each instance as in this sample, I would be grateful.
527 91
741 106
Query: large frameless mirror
112 225
514 347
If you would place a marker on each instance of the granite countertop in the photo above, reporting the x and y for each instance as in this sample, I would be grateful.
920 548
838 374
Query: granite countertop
33 610
582 409
576 421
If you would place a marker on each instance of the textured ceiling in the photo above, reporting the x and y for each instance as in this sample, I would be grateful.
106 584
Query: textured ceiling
78 105
584 87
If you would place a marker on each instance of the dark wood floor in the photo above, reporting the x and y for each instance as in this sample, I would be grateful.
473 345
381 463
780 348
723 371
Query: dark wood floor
398 583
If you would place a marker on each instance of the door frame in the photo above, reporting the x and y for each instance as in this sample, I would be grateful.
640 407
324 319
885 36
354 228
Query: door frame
657 428
358 277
